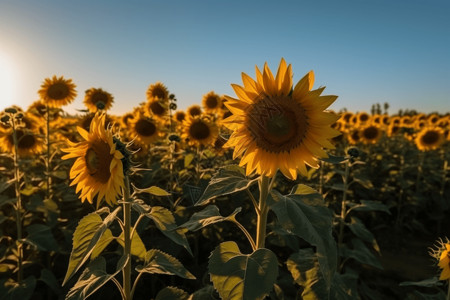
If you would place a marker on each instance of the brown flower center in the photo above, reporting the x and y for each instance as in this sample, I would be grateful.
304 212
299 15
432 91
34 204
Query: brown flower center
157 108
370 133
98 161
277 125
99 97
145 127
159 92
430 137
58 91
211 102
195 111
199 130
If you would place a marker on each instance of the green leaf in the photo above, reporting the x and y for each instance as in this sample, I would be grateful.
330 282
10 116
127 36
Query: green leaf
205 293
362 254
137 246
305 269
226 181
365 182
429 282
88 232
209 215
303 189
14 291
41 237
334 159
93 278
154 190
160 262
50 280
368 205
360 230
165 222
171 293
106 238
188 158
304 216
238 276
345 286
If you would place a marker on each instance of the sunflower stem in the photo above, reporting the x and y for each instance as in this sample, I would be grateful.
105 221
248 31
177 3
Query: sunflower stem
261 223
127 239
343 212
47 163
18 206
419 170
247 234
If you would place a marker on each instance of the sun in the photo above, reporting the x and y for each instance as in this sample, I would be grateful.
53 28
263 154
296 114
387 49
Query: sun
6 82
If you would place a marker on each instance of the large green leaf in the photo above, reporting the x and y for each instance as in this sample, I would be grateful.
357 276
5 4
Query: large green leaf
237 276
209 215
137 246
14 291
106 238
93 278
88 232
40 236
48 277
160 262
171 293
227 180
306 217
305 269
361 253
165 222
345 286
153 190
360 230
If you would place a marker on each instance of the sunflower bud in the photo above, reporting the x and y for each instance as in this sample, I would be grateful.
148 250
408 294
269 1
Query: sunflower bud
174 138
5 119
353 152
173 106
11 110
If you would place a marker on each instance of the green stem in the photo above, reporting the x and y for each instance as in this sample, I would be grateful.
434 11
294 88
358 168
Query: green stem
343 212
127 239
419 170
247 234
47 164
261 223
18 205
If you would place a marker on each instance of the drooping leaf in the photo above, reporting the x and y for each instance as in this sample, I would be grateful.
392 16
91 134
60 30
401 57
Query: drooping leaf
137 246
188 159
368 205
88 232
106 238
209 215
306 217
362 254
226 181
40 236
159 262
153 190
14 291
171 293
303 189
429 282
93 278
239 276
334 159
360 230
305 269
165 222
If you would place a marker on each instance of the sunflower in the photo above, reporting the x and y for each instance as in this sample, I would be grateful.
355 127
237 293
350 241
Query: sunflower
194 110
57 92
392 129
199 131
157 91
353 137
212 102
179 116
144 129
28 142
125 119
429 138
278 126
97 99
156 107
370 134
444 262
99 166
362 118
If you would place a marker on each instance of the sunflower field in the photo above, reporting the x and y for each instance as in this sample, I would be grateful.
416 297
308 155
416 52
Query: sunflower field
267 194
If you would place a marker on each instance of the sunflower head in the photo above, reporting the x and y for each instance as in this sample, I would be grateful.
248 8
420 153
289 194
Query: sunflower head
194 110
97 99
211 102
278 126
441 253
101 163
179 116
429 138
144 129
370 134
57 91
199 131
157 91
29 143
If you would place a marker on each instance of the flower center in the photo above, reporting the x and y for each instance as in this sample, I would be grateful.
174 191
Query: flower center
99 97
98 161
211 102
145 127
26 141
157 108
370 133
430 137
195 111
58 91
277 125
159 93
199 130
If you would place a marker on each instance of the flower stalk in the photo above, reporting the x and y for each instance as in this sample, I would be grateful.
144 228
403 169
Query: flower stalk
127 239
262 211
343 211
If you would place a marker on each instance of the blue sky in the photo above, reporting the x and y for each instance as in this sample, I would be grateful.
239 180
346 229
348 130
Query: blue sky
363 51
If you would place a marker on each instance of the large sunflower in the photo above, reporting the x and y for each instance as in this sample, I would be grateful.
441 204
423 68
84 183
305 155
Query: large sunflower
98 168
57 92
97 99
200 131
429 138
156 107
144 129
278 126
444 262
157 91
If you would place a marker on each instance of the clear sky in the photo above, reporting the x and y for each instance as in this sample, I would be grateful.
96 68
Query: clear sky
395 51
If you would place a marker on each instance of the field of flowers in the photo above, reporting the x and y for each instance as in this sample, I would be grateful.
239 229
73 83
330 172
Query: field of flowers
268 195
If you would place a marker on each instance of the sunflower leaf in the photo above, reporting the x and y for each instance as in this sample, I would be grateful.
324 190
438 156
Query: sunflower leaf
158 262
137 246
209 215
240 276
226 181
86 236
153 190
171 293
310 220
